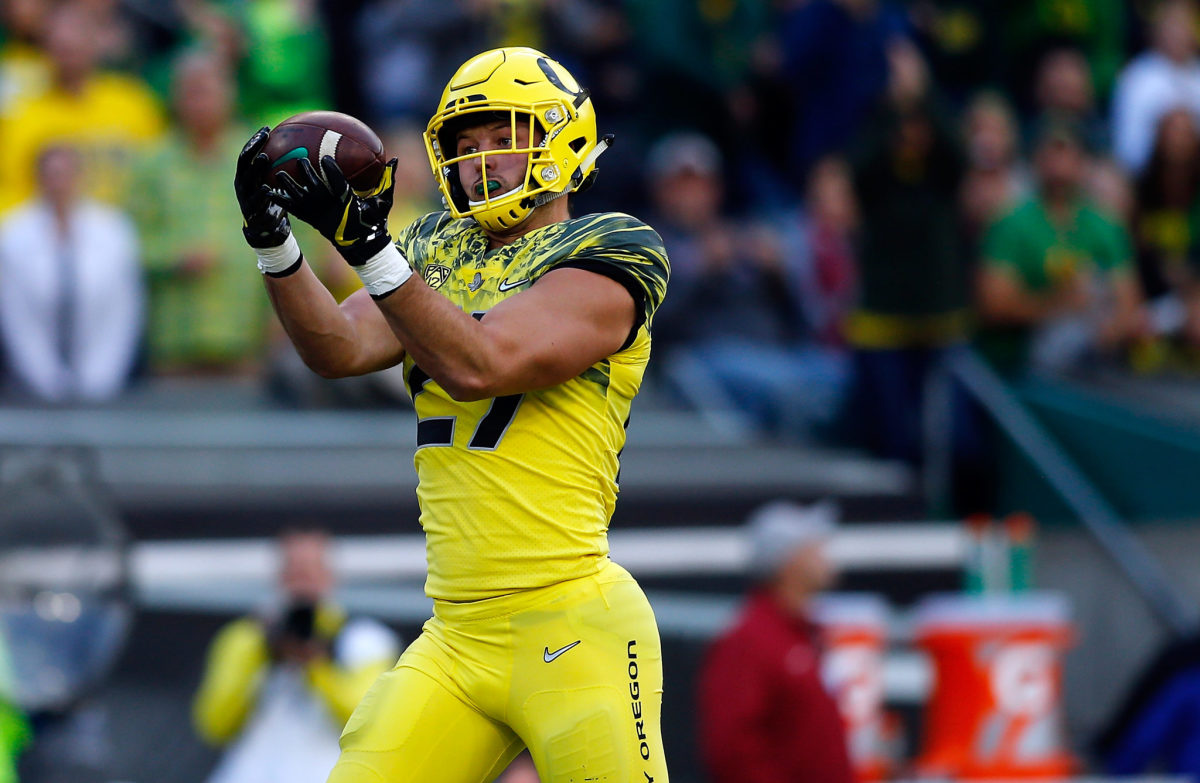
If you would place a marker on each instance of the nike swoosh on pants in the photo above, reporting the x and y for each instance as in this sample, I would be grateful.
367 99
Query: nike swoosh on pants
548 656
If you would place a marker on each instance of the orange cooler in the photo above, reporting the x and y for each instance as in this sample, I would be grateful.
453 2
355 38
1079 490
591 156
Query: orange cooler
855 629
996 706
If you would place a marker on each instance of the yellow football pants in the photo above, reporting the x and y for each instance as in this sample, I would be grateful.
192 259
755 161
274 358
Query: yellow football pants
572 671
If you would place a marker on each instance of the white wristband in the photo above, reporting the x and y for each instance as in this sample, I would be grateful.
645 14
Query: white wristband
278 259
385 271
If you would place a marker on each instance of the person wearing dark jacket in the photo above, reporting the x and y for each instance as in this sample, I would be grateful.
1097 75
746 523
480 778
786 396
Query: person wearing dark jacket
764 713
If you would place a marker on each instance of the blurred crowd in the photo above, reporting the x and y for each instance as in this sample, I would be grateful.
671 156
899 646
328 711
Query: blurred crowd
849 190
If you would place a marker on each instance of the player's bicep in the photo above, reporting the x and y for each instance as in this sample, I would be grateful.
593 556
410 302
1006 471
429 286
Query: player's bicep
566 322
378 346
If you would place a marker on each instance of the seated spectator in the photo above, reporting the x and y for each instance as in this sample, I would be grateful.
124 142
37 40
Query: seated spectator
764 713
822 256
280 685
71 303
1164 77
734 334
1057 283
107 116
1063 90
996 177
1165 228
207 310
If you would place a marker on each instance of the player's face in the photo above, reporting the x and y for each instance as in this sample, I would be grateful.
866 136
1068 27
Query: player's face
497 173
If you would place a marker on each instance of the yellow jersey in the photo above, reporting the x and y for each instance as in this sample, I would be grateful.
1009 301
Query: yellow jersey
516 492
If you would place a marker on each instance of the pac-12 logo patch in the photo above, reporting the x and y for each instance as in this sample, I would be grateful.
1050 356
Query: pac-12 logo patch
436 274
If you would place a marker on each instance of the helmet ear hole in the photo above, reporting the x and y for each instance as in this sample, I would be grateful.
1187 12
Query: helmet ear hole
577 145
587 182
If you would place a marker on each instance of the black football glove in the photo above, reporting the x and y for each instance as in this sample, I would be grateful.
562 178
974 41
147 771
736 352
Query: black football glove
264 223
356 225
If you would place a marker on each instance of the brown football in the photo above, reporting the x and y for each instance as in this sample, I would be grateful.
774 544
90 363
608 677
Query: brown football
315 134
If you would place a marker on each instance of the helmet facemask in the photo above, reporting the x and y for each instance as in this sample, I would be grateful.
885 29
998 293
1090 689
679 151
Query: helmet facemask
528 90
492 209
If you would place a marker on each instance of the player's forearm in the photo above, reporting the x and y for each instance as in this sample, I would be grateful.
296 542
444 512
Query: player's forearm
447 343
324 335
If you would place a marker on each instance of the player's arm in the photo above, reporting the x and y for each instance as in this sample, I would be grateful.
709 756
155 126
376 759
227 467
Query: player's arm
335 341
567 321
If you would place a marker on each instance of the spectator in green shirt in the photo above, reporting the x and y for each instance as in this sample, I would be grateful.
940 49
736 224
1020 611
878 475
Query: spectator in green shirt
207 312
1057 283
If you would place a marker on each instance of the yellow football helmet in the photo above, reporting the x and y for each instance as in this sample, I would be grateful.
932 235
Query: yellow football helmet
527 87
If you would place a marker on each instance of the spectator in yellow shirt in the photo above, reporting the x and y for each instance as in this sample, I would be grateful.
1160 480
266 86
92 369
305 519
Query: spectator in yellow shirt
207 314
106 116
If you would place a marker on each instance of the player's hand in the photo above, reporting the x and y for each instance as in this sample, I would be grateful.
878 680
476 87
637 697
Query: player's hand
356 225
264 223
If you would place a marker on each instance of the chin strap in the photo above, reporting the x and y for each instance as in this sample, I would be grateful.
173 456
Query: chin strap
546 196
603 144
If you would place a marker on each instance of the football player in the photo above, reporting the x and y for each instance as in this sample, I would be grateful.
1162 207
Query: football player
524 335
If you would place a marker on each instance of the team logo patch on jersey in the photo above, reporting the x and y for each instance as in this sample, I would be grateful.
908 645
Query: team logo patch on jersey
475 279
436 274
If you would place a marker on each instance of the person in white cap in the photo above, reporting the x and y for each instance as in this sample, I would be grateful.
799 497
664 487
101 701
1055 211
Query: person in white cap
764 713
